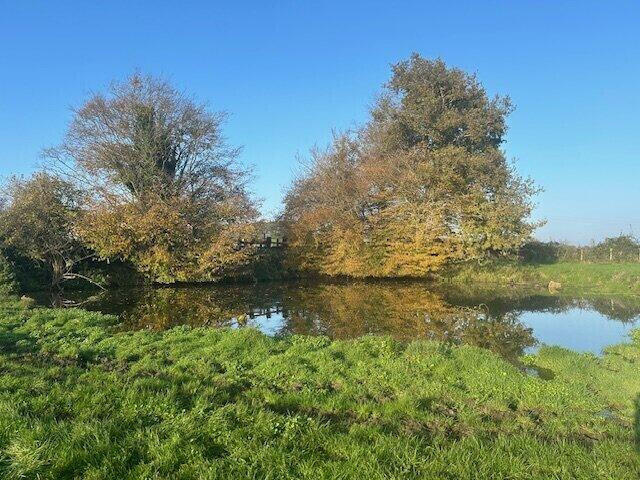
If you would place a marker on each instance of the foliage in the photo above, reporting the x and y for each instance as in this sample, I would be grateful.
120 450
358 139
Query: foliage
620 249
268 264
168 194
422 185
38 223
108 274
27 274
168 239
536 251
8 283
81 398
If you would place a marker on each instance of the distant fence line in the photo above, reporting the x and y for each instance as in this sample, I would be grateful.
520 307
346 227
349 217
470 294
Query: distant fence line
586 254
623 249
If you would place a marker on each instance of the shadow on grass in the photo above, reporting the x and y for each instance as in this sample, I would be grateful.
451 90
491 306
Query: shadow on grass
11 342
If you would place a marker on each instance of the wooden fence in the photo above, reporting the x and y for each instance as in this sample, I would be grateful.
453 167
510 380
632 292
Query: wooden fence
548 252
265 242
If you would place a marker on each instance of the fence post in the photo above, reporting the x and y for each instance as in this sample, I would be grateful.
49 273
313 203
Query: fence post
610 254
581 255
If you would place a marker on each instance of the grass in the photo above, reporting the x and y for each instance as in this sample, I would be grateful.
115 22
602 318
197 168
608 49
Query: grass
80 398
615 278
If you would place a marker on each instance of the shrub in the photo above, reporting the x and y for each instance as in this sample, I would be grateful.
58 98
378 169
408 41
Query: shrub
8 282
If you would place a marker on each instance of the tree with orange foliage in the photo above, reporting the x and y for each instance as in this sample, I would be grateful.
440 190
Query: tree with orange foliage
423 184
166 191
38 220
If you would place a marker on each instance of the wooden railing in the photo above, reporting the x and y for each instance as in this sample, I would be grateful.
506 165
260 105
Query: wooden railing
266 242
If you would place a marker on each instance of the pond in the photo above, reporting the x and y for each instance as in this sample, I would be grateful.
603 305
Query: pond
508 321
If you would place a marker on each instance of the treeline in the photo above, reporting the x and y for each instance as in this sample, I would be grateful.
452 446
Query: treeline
145 179
620 249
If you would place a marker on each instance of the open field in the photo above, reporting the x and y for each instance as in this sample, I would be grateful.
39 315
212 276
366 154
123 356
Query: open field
78 398
614 278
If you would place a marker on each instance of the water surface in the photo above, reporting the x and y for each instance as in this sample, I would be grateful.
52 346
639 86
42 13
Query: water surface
510 322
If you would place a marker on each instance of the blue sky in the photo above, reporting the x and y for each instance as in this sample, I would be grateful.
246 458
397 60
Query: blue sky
290 72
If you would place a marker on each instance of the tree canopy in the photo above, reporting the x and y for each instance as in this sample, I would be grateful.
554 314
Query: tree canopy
167 192
38 221
424 183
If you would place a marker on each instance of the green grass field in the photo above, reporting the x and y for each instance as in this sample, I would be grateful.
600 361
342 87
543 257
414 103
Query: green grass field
81 399
619 278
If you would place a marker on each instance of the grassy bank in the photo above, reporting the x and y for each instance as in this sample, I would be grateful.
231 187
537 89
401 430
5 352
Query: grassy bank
80 399
595 277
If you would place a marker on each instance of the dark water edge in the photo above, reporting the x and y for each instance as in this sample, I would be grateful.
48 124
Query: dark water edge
509 321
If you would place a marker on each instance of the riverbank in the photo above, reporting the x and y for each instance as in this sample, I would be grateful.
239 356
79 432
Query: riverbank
79 398
615 278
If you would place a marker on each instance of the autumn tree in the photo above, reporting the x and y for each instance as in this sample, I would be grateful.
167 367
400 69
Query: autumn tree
167 191
38 222
424 183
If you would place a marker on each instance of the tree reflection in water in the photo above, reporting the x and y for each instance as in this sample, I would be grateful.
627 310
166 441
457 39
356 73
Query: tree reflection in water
404 310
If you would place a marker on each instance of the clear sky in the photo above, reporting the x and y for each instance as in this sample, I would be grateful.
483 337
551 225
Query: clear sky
290 72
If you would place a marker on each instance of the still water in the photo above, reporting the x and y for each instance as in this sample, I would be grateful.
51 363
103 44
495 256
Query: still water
510 322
